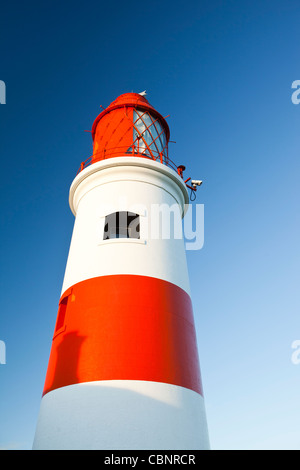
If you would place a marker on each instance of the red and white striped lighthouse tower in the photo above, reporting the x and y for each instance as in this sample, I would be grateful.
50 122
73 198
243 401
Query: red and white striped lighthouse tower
123 371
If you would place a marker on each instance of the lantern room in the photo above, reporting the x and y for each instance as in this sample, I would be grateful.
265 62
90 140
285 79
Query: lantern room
130 126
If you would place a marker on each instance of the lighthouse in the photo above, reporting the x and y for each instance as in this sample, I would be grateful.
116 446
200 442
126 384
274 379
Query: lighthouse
123 371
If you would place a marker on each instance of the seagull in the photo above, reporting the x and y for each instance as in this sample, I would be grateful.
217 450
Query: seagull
143 93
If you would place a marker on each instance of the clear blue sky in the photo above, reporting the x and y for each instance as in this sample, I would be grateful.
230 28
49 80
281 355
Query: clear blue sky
223 71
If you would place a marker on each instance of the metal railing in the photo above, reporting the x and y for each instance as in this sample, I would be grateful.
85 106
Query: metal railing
133 151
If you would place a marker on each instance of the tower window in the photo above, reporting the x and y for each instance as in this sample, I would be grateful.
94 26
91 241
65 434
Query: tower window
61 314
121 225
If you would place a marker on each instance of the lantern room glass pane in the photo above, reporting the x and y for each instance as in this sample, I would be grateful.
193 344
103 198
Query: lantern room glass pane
148 134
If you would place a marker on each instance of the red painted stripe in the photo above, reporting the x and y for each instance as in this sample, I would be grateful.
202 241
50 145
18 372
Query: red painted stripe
124 327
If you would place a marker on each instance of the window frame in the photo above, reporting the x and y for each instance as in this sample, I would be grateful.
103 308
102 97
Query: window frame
101 225
122 228
62 313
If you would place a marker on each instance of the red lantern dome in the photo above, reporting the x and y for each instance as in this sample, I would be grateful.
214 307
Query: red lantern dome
130 126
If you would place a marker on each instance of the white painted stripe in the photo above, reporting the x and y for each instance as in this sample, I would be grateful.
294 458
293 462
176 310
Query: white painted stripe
109 186
130 167
122 414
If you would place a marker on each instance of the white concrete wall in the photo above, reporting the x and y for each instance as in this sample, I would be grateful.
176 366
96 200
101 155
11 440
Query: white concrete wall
129 184
122 414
